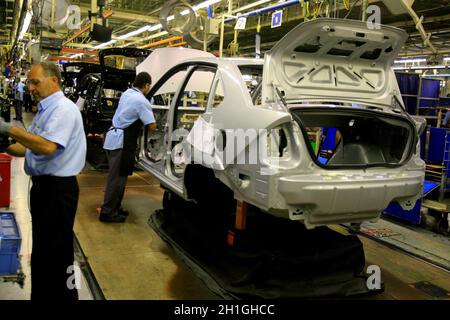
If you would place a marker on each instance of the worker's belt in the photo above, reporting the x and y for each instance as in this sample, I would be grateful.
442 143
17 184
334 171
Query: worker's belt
114 128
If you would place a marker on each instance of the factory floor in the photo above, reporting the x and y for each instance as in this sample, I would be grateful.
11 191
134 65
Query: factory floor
129 260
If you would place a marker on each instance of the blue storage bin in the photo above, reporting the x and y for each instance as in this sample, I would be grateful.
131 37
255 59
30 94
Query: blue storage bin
10 242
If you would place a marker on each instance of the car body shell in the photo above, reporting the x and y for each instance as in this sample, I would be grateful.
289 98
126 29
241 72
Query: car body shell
351 81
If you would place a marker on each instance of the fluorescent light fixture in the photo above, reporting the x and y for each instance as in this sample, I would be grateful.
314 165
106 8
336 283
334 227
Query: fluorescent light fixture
444 75
155 27
105 44
153 36
134 33
205 4
427 67
195 8
411 60
76 55
251 5
447 59
26 24
420 68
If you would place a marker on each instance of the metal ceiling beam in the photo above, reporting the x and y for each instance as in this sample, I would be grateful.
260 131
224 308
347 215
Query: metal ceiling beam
411 23
422 53
124 15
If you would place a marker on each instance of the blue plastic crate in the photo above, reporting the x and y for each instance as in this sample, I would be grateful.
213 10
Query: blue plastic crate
10 242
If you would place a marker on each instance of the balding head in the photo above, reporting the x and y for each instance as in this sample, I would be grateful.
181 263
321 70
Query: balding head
44 79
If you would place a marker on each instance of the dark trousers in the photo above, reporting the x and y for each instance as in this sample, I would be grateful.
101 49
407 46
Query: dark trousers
27 103
54 203
115 183
18 109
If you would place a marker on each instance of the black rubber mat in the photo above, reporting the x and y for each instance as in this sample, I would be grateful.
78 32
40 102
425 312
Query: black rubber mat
272 258
432 290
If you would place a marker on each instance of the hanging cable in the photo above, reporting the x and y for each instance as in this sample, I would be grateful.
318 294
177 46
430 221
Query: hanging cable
351 8
347 4
306 12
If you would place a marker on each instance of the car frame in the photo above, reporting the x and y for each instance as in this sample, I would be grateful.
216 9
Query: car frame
324 74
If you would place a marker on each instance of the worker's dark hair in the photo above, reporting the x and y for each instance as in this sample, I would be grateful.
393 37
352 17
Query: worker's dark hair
51 70
142 79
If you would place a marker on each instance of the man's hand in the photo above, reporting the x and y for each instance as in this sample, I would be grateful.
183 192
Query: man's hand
4 127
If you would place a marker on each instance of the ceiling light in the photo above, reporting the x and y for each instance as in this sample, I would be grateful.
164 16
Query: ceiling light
105 44
445 75
251 5
26 24
205 4
447 59
155 27
427 67
134 33
411 60
76 55
419 68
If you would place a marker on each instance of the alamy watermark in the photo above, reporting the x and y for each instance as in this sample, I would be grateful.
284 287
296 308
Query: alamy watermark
374 280
73 21
212 147
74 278
373 17
71 17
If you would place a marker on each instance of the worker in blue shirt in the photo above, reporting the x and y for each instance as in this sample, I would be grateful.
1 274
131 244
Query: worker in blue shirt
54 148
133 112
446 122
19 95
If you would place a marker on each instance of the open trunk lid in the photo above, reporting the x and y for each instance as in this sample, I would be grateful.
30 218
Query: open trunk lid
332 59
124 65
77 70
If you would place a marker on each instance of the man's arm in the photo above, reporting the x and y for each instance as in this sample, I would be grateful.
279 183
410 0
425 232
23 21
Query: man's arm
16 150
31 141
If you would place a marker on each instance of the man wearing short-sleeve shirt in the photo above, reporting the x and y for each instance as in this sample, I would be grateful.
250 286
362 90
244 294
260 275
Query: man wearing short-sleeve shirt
19 95
55 151
133 112
446 122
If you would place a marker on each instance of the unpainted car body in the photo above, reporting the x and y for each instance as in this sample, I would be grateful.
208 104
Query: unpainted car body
338 143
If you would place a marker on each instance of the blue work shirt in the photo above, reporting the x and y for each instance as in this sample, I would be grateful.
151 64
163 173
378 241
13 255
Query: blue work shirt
446 118
58 120
133 105
20 89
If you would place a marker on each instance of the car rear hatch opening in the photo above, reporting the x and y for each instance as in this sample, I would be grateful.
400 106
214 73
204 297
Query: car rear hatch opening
345 138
